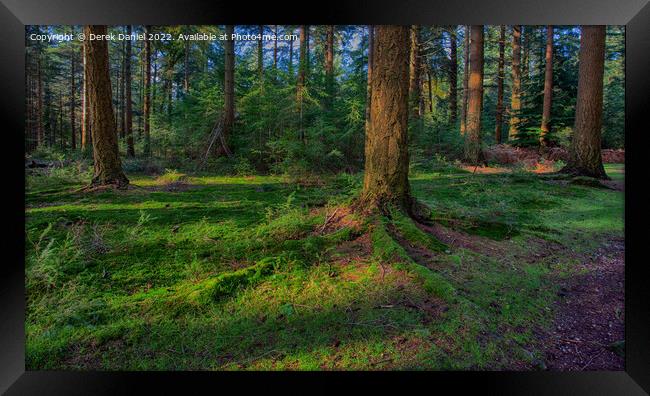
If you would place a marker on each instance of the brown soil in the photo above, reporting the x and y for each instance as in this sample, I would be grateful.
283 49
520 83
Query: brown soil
590 315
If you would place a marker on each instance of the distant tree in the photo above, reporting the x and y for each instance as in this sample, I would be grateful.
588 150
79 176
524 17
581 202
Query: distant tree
515 103
585 153
386 161
73 89
229 84
473 151
371 36
548 88
128 119
415 90
453 77
500 79
329 67
463 120
108 167
146 109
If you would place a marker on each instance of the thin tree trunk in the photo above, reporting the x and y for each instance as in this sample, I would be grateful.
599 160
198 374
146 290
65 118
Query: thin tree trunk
229 85
414 72
501 76
290 65
329 67
40 137
260 55
186 68
128 126
515 102
146 107
108 167
371 36
473 152
548 89
463 119
585 153
387 163
73 133
453 78
275 48
302 72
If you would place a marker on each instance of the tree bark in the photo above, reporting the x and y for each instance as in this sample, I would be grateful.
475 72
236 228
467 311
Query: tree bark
371 36
453 77
515 102
501 76
146 107
260 54
128 126
387 163
585 154
73 132
108 167
473 151
414 72
463 119
548 89
229 85
302 74
329 67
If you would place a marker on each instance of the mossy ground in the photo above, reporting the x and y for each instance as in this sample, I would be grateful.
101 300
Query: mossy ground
214 272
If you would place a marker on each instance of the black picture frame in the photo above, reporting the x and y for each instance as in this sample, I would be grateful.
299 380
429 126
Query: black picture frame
15 14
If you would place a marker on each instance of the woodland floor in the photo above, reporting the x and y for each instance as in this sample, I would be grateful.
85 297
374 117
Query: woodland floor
265 273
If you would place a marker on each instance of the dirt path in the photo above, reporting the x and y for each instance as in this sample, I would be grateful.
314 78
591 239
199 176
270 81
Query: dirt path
590 315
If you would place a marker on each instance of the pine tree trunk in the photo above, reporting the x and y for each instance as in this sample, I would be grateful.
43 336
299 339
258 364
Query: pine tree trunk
548 89
501 76
371 38
290 65
585 155
40 136
86 140
108 167
515 102
275 48
453 77
229 85
260 55
302 72
73 132
386 148
463 119
186 68
414 72
128 126
473 152
146 106
329 67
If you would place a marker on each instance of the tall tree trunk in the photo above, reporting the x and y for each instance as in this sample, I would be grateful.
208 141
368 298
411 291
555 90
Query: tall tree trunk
473 152
515 102
275 48
290 65
501 76
229 85
429 89
548 89
329 67
453 77
387 163
260 54
525 52
120 102
414 72
73 132
186 68
86 139
371 38
463 119
40 136
128 126
302 75
585 155
146 106
108 167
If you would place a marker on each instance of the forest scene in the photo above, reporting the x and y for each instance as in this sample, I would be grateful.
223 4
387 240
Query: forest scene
324 197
